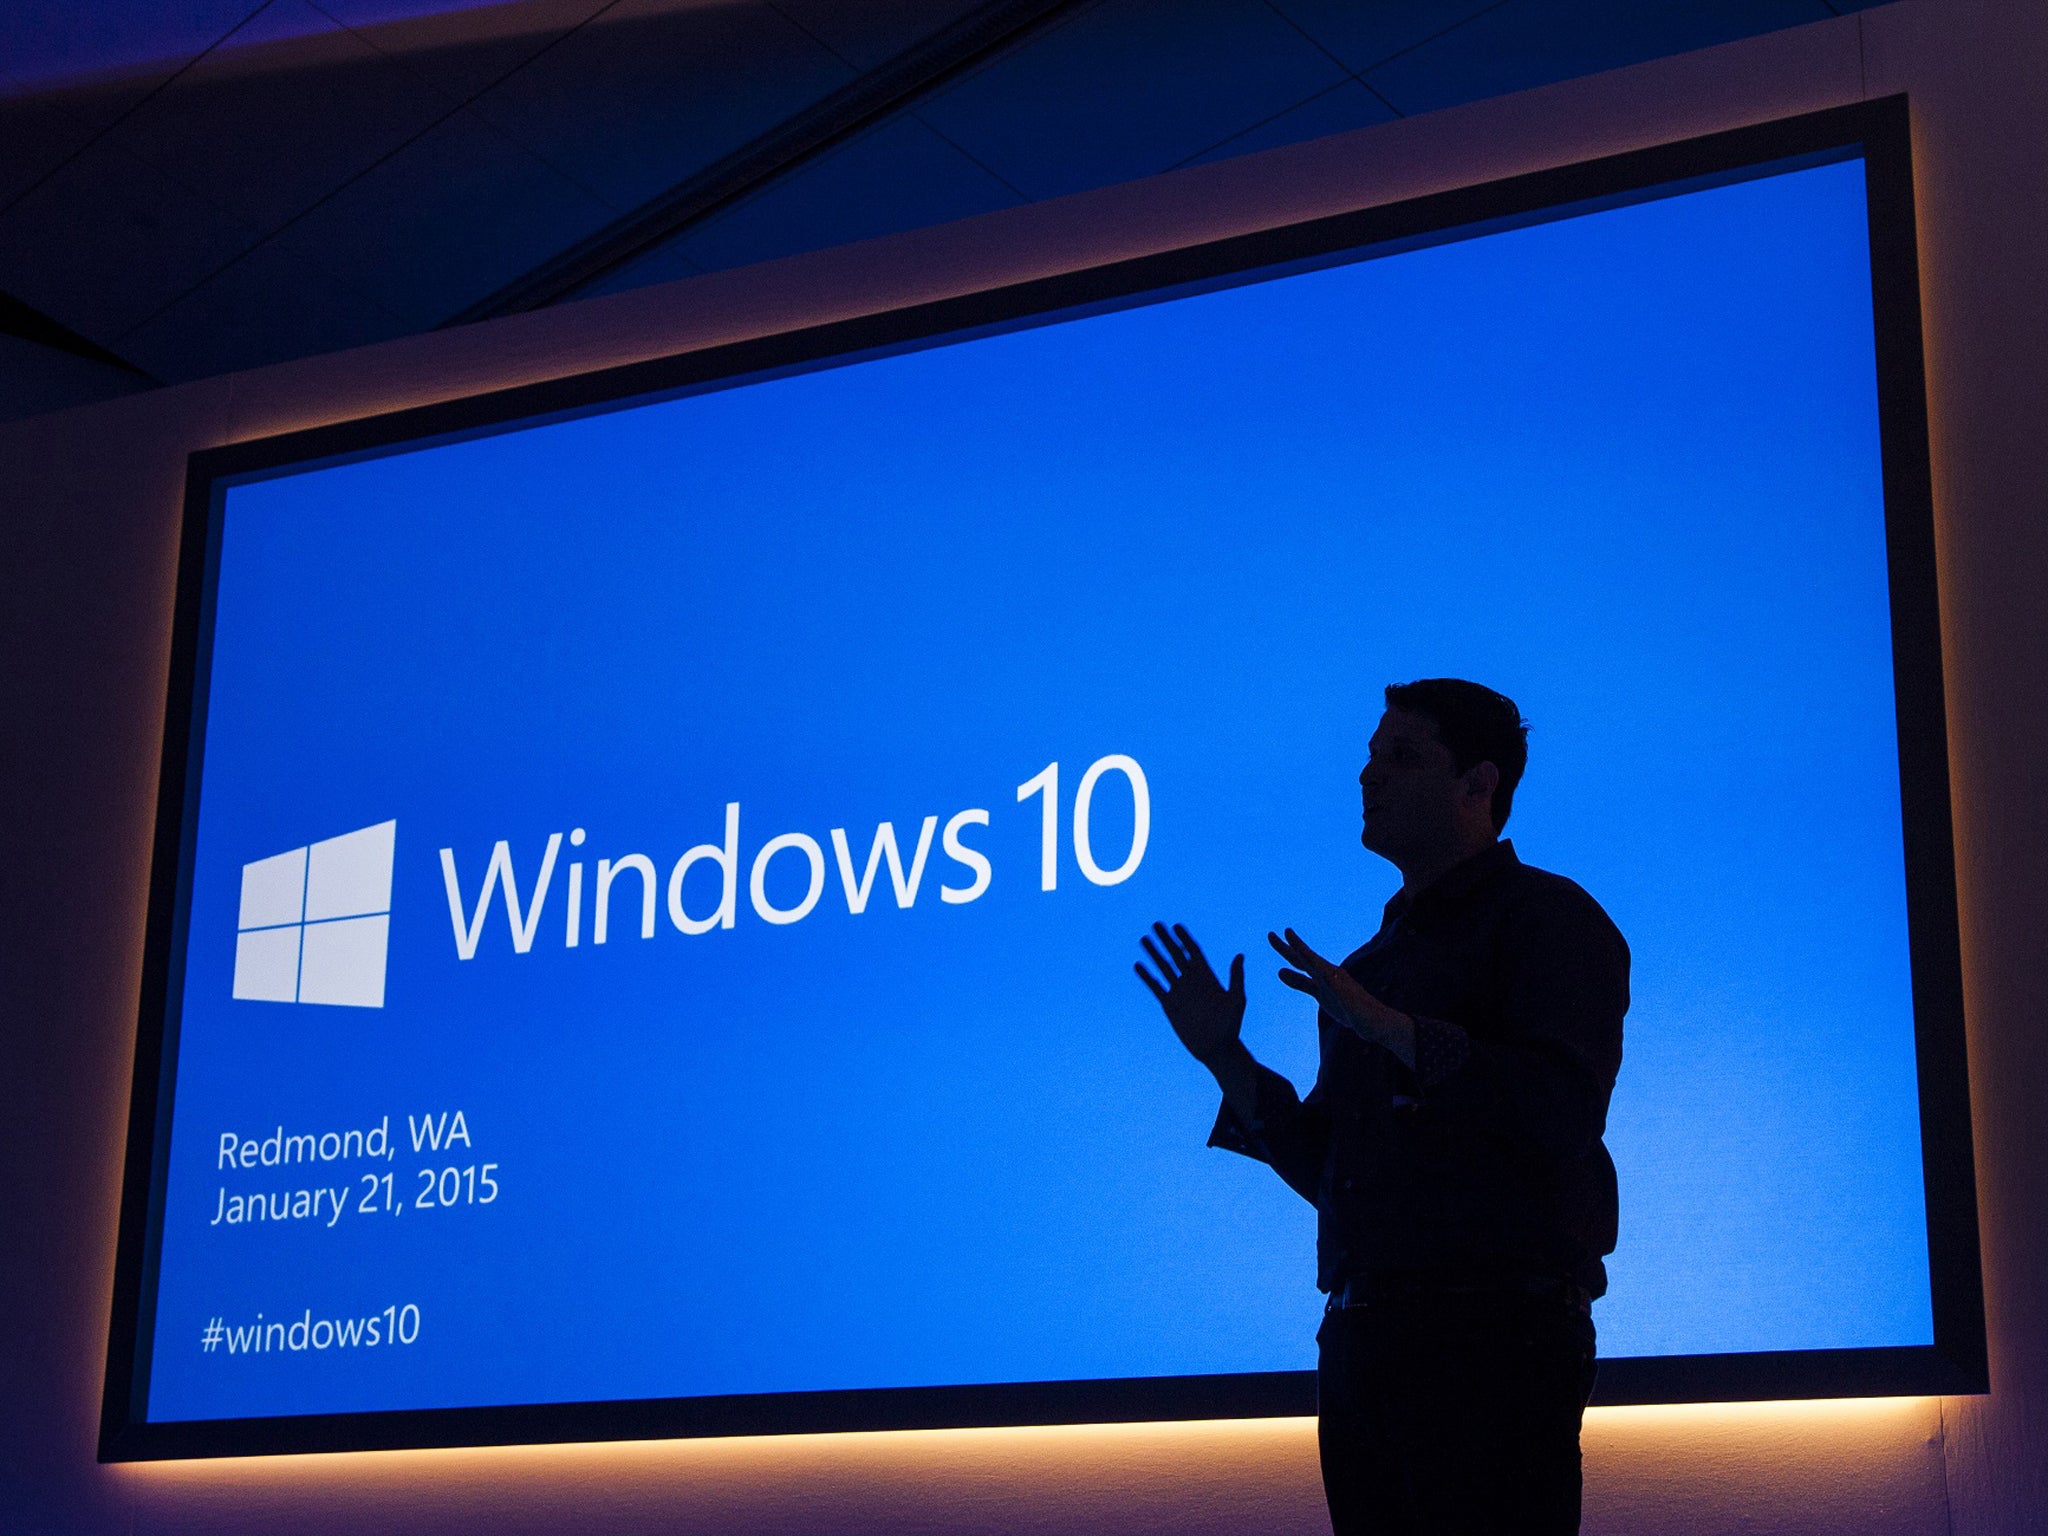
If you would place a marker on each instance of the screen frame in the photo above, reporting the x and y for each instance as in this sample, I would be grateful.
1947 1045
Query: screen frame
1878 132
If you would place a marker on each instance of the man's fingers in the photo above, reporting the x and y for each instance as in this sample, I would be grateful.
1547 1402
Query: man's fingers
1315 963
1237 976
1153 986
1302 944
1188 953
1288 949
1301 983
1172 947
1171 973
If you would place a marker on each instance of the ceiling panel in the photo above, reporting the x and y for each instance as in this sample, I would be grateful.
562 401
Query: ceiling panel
39 132
664 264
899 176
453 216
1527 43
107 241
464 50
64 79
274 126
49 43
1340 109
870 34
1366 35
635 103
1127 88
314 180
270 305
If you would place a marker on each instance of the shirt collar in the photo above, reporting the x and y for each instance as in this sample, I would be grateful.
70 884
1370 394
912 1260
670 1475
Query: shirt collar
1458 881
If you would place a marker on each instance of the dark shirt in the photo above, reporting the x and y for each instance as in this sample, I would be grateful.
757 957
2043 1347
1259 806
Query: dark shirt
1485 1161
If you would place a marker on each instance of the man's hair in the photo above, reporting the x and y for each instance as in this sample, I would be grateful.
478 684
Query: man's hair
1477 724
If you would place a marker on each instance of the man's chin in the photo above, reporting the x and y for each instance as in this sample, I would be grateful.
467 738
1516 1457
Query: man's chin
1379 841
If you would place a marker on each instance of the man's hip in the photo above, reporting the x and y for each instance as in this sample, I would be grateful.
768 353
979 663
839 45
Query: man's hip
1454 1411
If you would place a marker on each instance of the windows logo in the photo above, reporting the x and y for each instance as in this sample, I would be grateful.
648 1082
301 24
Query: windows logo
316 922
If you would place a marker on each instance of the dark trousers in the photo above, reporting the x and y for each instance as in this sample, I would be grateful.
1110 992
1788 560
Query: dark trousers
1453 1415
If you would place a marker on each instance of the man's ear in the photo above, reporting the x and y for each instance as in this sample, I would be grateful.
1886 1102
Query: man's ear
1481 780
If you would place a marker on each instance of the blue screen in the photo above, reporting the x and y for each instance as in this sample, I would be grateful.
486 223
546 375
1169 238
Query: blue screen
556 1027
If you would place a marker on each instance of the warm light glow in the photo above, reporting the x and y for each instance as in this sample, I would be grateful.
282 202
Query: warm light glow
1069 1447
1049 1442
1747 1466
1834 1410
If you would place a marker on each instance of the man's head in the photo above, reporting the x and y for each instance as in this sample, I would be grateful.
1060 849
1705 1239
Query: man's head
1441 778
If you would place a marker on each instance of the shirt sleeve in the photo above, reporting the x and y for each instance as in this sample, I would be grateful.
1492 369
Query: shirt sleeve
1543 1079
1290 1135
1440 1049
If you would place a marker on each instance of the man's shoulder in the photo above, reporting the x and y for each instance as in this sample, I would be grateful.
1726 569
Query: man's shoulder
1532 882
1543 896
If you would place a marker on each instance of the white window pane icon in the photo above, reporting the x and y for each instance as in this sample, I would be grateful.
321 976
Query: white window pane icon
351 874
344 962
267 964
273 891
315 922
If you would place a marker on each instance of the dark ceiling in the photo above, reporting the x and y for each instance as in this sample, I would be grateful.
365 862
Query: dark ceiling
186 190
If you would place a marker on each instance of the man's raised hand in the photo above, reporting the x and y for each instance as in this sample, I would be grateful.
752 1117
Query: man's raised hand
1203 1012
1342 998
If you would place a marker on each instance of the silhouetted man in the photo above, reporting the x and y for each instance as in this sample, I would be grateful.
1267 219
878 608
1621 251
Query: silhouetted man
1452 1143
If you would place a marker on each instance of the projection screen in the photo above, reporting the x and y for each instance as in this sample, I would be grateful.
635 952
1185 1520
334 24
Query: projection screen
650 864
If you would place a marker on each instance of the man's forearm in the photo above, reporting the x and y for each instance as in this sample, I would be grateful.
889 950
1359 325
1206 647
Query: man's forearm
1237 1074
1393 1032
